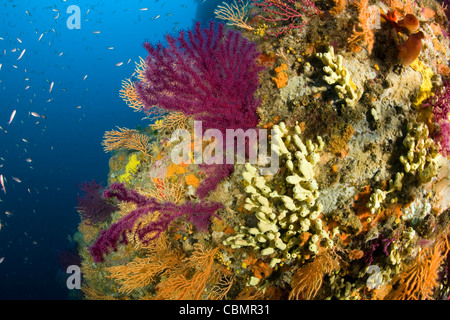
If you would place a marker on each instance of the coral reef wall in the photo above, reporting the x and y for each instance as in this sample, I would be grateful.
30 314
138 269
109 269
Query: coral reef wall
354 96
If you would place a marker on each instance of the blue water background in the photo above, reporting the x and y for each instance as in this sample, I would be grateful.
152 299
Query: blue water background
65 147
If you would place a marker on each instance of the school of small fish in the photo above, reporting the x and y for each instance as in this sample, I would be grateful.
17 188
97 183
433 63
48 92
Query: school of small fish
24 49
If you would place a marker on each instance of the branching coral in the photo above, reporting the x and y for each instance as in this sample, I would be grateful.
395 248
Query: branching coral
160 259
197 213
92 206
365 34
440 106
129 95
173 121
235 13
308 279
339 7
126 139
419 281
189 282
210 74
295 13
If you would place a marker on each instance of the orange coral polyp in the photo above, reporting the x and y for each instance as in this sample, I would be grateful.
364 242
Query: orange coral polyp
410 50
410 22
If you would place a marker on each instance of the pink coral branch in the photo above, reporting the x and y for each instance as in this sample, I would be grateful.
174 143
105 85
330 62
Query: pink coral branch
199 214
287 10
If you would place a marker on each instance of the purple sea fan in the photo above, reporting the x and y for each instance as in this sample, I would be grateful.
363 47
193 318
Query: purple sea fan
440 106
210 74
199 214
92 206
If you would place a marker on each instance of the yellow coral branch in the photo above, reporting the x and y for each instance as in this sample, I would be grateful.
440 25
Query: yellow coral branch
126 139
365 34
339 7
419 281
129 94
161 259
307 280
234 13
172 122
181 285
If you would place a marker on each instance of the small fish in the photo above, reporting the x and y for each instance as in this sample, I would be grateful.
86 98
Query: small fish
11 118
84 78
143 9
0 66
86 12
96 32
110 48
19 40
17 180
8 213
78 107
119 64
28 160
60 54
128 61
34 114
28 13
2 258
25 140
156 17
21 54
40 37
51 87
14 66
27 87
2 182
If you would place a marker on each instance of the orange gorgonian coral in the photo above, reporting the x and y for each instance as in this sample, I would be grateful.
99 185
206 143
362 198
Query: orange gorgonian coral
234 13
129 95
307 280
126 139
160 259
339 7
172 122
419 281
189 282
365 34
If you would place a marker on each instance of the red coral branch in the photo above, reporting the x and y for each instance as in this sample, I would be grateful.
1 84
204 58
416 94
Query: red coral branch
287 10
